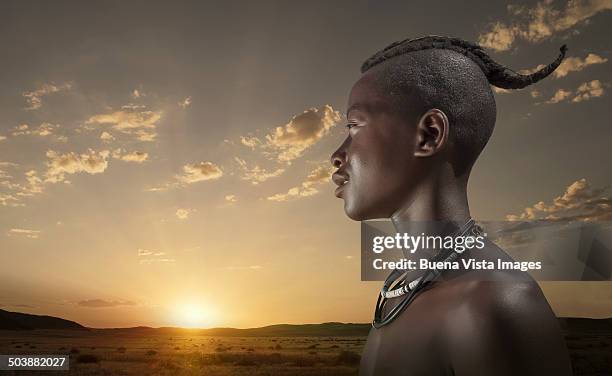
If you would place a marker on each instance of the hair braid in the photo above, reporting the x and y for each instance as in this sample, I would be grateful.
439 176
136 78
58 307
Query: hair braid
497 74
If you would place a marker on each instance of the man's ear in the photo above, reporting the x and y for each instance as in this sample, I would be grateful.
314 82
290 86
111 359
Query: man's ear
432 133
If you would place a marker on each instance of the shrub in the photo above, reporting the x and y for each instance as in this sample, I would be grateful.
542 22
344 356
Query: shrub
151 352
74 350
348 357
246 363
121 349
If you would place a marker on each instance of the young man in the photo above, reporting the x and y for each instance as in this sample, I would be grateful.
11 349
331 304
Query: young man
418 118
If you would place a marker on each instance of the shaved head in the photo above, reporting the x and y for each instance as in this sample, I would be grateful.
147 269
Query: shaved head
446 80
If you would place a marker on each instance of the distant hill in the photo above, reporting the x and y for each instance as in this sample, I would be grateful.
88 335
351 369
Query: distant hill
569 326
24 321
328 329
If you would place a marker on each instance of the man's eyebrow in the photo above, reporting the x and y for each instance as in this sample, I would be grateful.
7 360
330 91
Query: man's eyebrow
356 106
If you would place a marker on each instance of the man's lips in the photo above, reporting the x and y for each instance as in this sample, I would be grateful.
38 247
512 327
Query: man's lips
341 180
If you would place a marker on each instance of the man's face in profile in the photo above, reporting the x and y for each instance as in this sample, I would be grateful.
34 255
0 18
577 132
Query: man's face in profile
376 160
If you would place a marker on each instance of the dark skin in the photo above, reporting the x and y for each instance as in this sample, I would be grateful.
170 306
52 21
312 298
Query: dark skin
398 166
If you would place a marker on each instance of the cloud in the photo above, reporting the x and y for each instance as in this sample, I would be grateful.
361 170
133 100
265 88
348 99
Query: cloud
59 165
185 103
100 303
231 198
20 130
43 130
2 138
308 187
141 123
184 213
147 256
247 267
135 156
34 98
250 141
579 202
575 64
585 91
106 137
136 94
201 171
588 90
560 95
256 174
499 90
541 22
301 132
145 252
32 234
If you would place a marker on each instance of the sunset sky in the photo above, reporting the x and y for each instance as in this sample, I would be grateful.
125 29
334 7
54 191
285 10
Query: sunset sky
167 163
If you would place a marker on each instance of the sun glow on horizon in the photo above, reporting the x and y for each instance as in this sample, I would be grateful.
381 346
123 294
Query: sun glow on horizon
193 315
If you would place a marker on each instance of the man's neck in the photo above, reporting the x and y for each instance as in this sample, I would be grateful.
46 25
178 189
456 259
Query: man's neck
435 209
436 200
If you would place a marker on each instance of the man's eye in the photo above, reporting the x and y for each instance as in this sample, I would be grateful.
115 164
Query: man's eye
350 125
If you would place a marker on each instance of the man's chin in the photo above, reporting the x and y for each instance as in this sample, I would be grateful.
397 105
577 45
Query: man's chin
355 213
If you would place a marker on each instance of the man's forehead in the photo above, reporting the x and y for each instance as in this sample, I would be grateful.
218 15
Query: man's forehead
365 96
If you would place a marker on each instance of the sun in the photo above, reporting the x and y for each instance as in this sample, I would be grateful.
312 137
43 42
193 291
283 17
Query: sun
193 315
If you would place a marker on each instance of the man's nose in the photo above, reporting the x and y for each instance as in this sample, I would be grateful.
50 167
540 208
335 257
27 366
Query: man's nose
338 158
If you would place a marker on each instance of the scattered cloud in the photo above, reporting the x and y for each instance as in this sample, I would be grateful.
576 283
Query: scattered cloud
308 187
32 234
256 174
250 141
588 90
201 171
184 213
133 120
231 198
499 90
146 252
185 103
134 156
192 173
541 22
579 202
2 138
106 137
247 267
560 95
147 256
575 64
34 98
301 132
136 94
43 130
288 142
58 165
100 303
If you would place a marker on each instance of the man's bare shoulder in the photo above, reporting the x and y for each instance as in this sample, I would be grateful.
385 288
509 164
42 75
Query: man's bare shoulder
504 325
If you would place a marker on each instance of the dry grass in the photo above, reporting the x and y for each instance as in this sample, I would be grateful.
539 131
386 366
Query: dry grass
96 354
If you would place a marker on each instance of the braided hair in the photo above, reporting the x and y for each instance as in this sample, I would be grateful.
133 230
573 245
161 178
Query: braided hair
454 76
497 74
